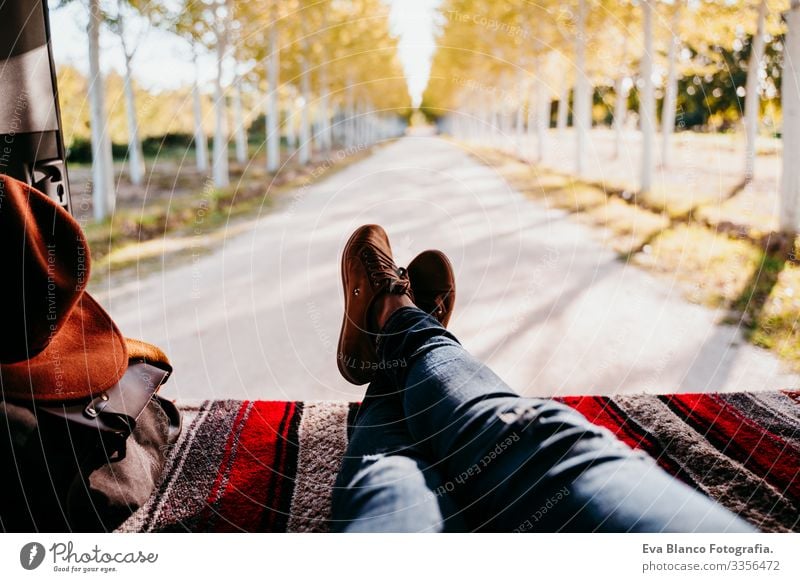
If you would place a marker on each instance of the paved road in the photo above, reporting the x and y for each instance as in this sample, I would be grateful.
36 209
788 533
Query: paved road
548 307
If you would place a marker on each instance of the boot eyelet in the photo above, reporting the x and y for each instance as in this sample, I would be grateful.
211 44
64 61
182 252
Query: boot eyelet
356 291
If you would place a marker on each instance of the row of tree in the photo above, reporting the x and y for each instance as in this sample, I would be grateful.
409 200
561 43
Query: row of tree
513 60
321 71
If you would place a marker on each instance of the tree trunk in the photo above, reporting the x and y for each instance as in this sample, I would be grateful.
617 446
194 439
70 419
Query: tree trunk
542 117
200 141
325 134
240 131
562 115
531 121
368 123
291 124
581 118
336 126
361 116
323 112
647 104
752 99
671 89
621 101
220 150
358 123
349 116
135 153
305 114
273 111
486 120
367 117
519 117
103 196
499 138
620 113
790 104
507 125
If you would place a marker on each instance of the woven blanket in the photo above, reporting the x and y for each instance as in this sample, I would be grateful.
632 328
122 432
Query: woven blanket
270 466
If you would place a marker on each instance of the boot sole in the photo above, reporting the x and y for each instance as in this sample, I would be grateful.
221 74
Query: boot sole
340 360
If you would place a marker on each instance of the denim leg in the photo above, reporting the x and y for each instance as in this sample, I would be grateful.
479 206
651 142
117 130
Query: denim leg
386 484
529 464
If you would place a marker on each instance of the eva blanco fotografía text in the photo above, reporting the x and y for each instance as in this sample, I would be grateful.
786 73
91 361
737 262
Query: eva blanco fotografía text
710 549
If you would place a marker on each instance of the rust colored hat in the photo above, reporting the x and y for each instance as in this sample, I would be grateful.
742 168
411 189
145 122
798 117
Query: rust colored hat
56 342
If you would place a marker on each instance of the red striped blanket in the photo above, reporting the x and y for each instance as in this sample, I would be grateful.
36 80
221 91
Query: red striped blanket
271 466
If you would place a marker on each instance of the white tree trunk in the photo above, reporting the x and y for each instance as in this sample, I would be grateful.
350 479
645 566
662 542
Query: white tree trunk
322 131
369 123
326 134
647 105
219 169
357 122
581 118
668 109
350 119
370 127
487 120
497 125
336 126
519 120
200 141
531 121
374 124
361 117
790 104
350 114
752 99
364 123
507 124
620 113
273 112
291 124
542 117
135 153
240 132
305 115
562 116
103 196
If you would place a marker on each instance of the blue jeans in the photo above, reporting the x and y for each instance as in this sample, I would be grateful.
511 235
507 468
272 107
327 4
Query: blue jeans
440 443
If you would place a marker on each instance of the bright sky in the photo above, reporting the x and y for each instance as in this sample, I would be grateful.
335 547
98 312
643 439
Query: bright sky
413 21
163 62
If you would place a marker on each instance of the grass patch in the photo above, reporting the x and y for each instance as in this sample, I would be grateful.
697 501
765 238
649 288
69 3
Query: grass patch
771 309
710 268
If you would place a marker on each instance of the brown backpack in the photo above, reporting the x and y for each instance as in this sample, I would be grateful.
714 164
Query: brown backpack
86 465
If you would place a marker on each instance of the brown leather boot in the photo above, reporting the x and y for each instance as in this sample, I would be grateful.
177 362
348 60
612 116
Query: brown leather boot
368 271
434 284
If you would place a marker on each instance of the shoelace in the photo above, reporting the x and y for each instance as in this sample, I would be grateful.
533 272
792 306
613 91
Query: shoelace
383 271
